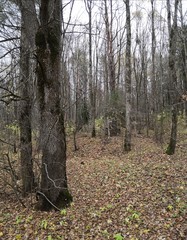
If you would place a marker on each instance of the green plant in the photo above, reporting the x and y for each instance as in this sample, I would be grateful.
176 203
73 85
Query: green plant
161 116
118 236
63 223
117 196
70 128
133 216
169 207
18 219
18 236
13 127
63 212
29 219
105 208
99 123
44 224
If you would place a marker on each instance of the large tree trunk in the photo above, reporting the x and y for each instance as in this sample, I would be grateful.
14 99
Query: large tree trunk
127 142
54 191
173 77
25 120
28 31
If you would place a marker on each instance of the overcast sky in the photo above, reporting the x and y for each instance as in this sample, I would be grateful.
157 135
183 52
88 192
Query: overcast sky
79 12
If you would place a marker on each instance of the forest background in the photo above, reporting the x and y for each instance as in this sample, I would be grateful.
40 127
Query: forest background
93 105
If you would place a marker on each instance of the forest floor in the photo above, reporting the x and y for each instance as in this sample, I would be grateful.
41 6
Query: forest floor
136 196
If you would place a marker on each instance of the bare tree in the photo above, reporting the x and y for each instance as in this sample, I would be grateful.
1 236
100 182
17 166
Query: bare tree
111 66
153 71
89 6
127 142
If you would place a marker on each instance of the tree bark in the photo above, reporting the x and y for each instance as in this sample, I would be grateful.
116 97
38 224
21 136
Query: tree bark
54 190
111 68
27 174
127 142
153 73
184 56
28 15
173 78
89 7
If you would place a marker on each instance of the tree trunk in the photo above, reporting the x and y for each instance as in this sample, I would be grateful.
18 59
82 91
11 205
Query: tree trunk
27 174
28 31
184 57
127 142
111 69
153 73
173 138
173 78
91 83
54 190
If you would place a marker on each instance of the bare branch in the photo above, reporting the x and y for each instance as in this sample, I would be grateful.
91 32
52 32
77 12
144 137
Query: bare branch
9 39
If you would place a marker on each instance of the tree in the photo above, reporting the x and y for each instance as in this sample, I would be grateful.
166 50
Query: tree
183 55
153 73
89 6
79 66
28 31
111 67
23 86
139 60
127 142
172 76
54 190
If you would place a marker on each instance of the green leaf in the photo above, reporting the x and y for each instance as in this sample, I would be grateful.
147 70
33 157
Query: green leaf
170 207
63 212
18 236
118 236
44 224
18 219
29 219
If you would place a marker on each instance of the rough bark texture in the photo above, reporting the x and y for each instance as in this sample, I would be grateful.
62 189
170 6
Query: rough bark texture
54 191
173 138
28 31
25 121
127 142
173 78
